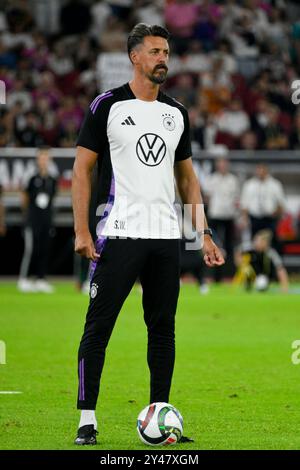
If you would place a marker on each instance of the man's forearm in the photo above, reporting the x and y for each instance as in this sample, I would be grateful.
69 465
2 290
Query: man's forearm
190 194
81 196
283 278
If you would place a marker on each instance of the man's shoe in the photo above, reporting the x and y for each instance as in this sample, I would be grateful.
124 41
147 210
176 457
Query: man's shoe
25 285
185 439
86 435
43 286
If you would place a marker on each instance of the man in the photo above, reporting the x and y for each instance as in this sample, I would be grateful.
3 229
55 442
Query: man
258 263
37 203
139 136
223 192
262 201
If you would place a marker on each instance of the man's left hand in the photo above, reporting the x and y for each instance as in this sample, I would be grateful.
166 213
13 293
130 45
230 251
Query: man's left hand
212 254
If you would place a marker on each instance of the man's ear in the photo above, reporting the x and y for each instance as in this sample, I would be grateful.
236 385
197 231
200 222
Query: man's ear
134 56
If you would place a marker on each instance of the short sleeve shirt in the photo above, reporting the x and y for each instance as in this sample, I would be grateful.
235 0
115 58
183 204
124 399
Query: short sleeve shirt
138 143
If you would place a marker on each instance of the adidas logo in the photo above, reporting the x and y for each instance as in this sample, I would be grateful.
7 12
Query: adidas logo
128 121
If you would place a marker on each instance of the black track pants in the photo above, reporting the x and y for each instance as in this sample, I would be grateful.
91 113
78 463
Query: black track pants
122 261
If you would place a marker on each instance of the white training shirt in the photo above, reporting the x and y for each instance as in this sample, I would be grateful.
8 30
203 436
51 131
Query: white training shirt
138 143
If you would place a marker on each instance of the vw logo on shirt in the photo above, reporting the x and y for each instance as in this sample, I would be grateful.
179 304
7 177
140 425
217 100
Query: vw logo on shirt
151 149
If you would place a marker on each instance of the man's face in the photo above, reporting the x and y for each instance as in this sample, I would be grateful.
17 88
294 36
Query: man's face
261 244
43 160
261 172
222 166
151 57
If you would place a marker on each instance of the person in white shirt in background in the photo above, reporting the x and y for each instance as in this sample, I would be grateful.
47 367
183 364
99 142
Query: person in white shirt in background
223 190
262 202
234 120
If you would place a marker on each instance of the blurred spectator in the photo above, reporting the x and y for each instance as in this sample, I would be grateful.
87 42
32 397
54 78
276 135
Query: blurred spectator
223 51
60 62
47 89
37 205
278 29
248 141
19 16
206 29
68 134
7 57
222 189
48 122
70 110
196 127
262 201
121 9
246 50
114 36
27 132
234 120
258 264
274 136
46 15
184 90
100 12
19 94
216 87
150 12
181 16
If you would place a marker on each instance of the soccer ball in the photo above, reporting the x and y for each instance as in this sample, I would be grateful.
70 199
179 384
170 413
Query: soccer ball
261 282
160 424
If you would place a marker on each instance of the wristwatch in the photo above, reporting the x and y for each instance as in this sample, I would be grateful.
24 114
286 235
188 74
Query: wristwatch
206 231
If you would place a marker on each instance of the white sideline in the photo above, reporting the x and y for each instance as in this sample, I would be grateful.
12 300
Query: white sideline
10 393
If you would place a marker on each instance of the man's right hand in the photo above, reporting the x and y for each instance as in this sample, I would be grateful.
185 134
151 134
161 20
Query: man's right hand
84 246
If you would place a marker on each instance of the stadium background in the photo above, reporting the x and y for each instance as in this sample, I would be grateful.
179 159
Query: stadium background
232 61
232 65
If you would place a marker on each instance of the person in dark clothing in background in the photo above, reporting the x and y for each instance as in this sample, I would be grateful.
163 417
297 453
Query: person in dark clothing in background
37 203
258 263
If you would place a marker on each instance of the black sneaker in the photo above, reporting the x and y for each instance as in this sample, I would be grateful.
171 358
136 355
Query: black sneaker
86 435
185 439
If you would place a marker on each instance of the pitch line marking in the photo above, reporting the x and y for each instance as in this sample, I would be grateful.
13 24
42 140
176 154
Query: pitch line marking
9 393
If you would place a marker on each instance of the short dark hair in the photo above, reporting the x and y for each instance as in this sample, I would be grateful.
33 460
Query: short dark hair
141 30
42 148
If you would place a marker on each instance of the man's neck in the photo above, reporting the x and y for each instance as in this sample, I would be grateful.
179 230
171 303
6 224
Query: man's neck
143 89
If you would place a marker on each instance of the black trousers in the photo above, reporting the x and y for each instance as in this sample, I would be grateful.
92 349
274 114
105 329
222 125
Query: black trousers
156 263
224 229
36 249
191 262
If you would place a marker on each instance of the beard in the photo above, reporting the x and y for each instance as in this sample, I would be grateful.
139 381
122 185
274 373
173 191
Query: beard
159 75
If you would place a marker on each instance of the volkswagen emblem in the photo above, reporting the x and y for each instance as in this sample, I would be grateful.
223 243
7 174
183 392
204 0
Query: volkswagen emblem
151 149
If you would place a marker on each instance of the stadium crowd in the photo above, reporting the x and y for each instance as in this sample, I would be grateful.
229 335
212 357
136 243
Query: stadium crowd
232 65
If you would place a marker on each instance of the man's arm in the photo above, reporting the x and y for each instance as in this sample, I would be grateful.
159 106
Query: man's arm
283 278
190 193
81 194
24 201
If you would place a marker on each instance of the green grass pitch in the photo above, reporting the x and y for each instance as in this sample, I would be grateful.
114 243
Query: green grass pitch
234 381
